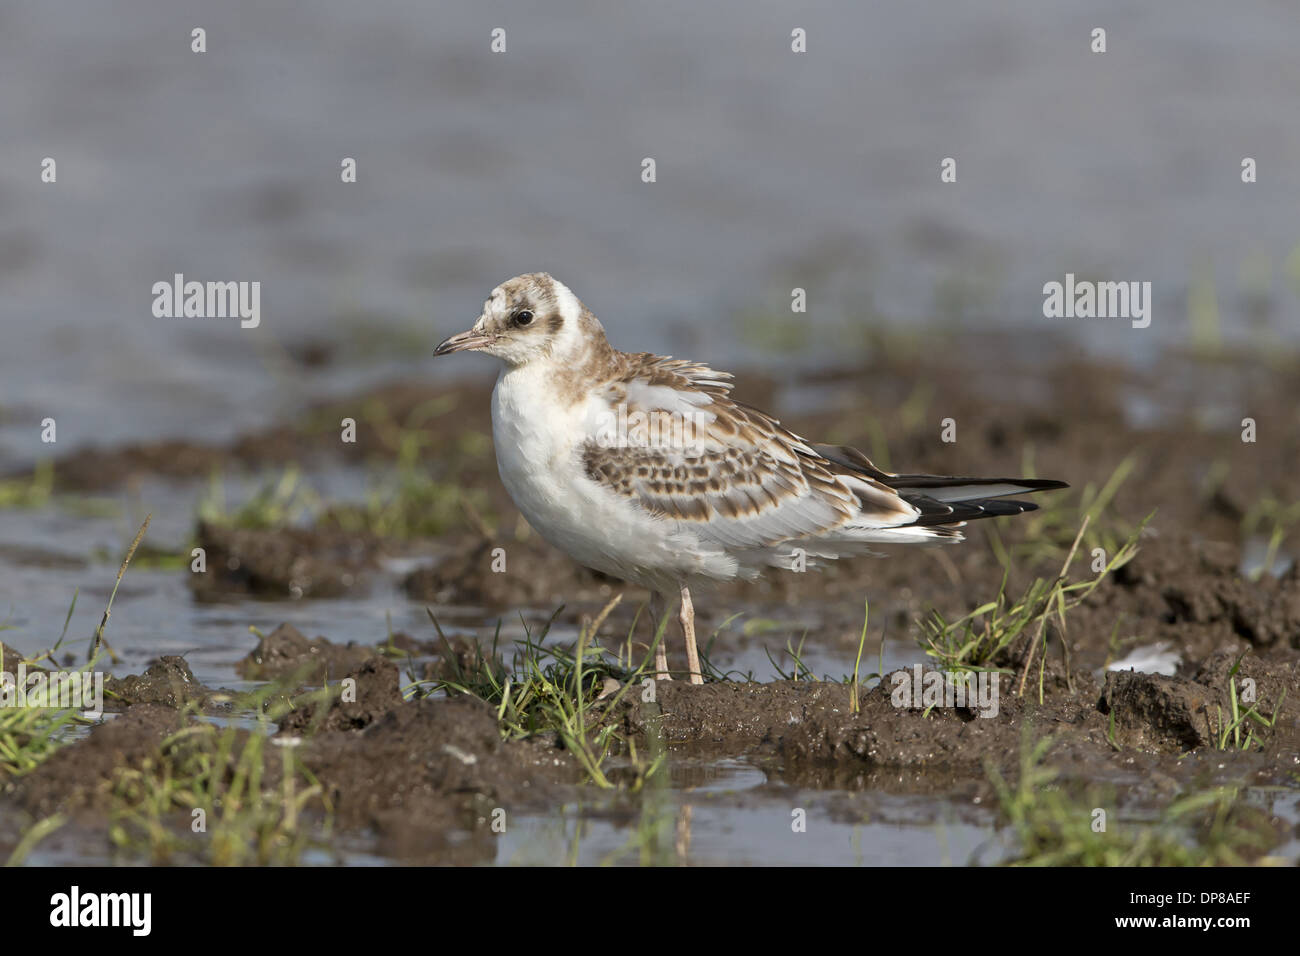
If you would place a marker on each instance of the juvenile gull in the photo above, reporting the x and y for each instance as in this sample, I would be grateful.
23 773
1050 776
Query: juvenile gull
645 468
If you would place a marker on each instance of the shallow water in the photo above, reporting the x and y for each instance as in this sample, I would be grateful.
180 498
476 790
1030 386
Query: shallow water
734 814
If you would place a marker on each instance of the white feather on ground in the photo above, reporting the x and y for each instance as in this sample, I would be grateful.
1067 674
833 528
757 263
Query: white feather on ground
1152 659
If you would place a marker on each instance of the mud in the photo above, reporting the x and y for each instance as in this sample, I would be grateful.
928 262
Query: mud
377 692
421 779
286 651
426 777
311 436
812 722
81 776
285 563
534 575
168 682
1196 590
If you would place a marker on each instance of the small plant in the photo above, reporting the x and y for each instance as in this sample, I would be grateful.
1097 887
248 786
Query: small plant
409 501
551 689
276 504
1052 528
1233 728
854 706
221 777
37 491
977 640
1271 519
799 670
30 735
34 492
1213 827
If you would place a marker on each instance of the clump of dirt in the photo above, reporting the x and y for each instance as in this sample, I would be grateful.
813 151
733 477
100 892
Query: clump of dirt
1261 679
813 722
167 681
312 435
500 574
1153 712
1176 715
10 656
287 652
97 469
429 779
283 563
1201 587
82 775
375 690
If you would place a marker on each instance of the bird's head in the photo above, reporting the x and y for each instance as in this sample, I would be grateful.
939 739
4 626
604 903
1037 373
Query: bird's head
529 317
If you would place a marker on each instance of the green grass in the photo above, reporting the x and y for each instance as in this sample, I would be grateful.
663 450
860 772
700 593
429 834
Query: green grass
408 502
1273 520
37 491
221 779
1049 531
800 671
277 503
30 735
1229 732
404 501
223 796
554 689
1053 823
220 772
34 492
976 641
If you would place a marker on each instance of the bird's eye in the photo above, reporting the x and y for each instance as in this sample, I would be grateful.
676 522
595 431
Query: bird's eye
523 317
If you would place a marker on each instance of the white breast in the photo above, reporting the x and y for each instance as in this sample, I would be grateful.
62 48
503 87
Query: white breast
539 448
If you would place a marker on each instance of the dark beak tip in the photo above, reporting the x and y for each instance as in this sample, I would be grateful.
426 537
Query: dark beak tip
447 346
462 341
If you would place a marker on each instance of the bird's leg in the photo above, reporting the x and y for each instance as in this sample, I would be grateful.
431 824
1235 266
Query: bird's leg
661 652
688 631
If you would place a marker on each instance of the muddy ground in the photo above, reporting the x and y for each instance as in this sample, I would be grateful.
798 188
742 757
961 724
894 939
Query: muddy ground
419 779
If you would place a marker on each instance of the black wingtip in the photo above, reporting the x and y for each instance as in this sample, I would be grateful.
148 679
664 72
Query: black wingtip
938 513
923 482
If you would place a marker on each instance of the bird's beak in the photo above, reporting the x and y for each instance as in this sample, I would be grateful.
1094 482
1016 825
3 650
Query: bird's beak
462 341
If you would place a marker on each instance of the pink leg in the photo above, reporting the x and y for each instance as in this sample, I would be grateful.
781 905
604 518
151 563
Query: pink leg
688 631
661 652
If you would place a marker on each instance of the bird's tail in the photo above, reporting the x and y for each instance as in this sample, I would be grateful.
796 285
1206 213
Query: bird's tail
945 499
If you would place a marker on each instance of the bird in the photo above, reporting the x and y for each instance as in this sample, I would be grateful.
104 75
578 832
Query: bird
645 468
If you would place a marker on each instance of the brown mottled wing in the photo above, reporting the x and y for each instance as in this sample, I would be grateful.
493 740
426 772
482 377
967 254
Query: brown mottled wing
730 470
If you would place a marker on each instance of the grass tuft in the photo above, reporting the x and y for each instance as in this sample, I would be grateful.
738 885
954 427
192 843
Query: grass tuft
976 641
1052 827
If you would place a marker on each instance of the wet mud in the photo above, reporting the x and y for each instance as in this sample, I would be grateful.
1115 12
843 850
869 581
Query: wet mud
419 778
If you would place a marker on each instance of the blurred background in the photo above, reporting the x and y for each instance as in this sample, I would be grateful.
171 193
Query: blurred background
775 170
